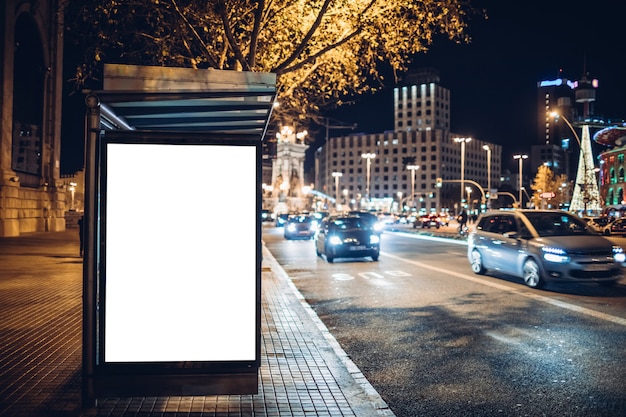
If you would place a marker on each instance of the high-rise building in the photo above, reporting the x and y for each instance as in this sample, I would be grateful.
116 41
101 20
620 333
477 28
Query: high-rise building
400 168
553 148
423 104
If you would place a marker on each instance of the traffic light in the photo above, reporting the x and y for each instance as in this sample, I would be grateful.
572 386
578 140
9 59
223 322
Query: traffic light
439 182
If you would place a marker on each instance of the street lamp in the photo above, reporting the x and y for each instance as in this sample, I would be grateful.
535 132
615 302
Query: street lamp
368 156
462 141
488 149
469 199
588 185
337 175
412 168
521 158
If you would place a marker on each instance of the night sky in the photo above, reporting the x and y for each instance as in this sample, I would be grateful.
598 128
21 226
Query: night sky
493 80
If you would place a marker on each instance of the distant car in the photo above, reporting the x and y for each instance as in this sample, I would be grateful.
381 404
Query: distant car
300 226
281 219
598 224
543 245
347 236
387 219
266 216
617 227
431 220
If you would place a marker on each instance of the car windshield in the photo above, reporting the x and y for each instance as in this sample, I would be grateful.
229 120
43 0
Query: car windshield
346 223
557 224
300 219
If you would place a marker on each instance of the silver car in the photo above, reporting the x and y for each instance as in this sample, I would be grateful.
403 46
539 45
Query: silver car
543 245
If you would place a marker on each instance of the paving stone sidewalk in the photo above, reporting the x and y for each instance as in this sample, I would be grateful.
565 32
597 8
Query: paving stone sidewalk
303 370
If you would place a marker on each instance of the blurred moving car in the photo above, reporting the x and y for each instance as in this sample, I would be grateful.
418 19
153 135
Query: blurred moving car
266 215
598 224
616 227
347 236
300 226
387 219
281 219
431 220
541 246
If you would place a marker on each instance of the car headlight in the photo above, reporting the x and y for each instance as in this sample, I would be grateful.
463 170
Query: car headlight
334 240
618 254
291 227
556 255
374 239
379 226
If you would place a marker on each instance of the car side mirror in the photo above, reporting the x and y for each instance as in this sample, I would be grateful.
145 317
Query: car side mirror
511 235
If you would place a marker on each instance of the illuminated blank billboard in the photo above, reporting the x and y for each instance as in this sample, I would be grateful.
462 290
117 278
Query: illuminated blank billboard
180 252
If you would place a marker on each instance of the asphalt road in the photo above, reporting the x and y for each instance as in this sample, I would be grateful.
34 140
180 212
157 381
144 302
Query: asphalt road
436 340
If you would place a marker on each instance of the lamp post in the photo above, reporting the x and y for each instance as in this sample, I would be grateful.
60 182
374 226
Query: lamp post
588 187
412 168
469 199
488 149
462 141
337 175
520 158
368 157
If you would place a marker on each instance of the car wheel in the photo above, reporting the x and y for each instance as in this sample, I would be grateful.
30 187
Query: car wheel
317 251
607 233
329 258
532 274
375 257
477 263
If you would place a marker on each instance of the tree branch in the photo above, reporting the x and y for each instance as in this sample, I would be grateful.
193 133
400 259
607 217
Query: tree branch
196 35
221 6
254 36
305 41
314 57
284 67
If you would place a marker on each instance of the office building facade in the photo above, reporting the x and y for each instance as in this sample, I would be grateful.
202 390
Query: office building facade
422 141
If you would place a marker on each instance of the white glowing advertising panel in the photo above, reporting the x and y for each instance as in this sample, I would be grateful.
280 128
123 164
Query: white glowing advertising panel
180 256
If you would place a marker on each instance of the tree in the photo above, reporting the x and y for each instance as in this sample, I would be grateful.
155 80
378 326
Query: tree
323 51
546 182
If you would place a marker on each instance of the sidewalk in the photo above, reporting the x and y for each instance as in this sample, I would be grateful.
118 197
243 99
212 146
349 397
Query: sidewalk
303 370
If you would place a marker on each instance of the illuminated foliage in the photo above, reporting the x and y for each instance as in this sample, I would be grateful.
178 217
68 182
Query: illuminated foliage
546 182
321 50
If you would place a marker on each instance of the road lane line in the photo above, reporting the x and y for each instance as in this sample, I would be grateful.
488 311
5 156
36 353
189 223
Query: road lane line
537 297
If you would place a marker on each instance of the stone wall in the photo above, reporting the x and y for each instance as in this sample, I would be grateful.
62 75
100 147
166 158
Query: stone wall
25 210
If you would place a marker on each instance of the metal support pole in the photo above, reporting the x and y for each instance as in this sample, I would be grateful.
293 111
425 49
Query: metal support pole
92 133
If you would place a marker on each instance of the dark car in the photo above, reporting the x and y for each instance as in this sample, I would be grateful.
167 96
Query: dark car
617 227
543 245
349 236
281 219
300 226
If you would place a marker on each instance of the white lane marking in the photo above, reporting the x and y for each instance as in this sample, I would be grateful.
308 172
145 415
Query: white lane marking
537 297
435 238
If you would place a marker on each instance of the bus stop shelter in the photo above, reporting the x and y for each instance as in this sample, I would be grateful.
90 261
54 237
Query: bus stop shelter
171 288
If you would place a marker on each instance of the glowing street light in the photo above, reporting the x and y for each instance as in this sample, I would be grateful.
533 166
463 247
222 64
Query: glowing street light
521 158
368 156
462 141
412 168
488 149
